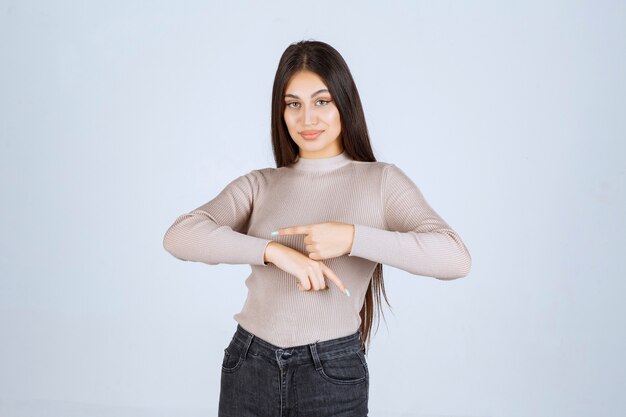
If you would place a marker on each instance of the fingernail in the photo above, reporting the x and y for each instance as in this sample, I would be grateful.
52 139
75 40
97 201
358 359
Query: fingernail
275 232
347 292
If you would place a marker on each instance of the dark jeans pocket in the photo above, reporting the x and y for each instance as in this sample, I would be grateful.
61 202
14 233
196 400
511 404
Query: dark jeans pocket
349 368
233 358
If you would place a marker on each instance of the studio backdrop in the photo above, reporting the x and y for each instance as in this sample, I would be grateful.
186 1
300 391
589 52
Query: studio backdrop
116 117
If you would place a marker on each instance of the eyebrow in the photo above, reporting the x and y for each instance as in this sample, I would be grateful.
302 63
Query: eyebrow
312 95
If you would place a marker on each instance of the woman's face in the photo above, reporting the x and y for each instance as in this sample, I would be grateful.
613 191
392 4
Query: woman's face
309 108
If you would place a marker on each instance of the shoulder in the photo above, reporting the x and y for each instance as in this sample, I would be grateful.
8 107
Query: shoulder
262 177
388 172
374 165
374 169
259 173
398 181
264 173
393 171
254 177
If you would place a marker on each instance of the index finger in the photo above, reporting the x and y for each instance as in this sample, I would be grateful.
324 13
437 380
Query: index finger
335 279
293 230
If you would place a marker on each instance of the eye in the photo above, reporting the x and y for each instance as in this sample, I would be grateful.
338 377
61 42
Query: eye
324 101
290 104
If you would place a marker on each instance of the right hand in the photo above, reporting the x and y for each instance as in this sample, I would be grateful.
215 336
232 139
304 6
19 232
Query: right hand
309 272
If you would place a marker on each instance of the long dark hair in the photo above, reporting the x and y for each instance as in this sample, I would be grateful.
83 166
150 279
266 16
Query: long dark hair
329 65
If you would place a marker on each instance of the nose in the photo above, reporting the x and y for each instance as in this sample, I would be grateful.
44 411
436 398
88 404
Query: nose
309 116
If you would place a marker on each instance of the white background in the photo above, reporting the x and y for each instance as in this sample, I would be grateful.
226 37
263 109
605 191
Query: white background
118 116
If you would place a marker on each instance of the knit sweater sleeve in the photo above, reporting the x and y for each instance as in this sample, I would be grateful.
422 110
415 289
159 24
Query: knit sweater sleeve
416 239
215 232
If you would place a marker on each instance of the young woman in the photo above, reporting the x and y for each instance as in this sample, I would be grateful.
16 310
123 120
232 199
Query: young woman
315 231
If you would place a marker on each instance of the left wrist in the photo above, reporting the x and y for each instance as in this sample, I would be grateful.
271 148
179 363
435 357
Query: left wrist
351 238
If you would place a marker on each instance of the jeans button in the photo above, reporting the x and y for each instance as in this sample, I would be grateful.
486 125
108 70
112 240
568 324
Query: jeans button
285 355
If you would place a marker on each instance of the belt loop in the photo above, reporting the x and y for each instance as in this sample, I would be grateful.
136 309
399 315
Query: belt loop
246 347
316 358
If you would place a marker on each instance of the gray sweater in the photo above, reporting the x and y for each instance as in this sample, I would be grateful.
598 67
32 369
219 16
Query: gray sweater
393 225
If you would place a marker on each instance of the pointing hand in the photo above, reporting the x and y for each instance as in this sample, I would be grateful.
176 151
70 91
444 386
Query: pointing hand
323 240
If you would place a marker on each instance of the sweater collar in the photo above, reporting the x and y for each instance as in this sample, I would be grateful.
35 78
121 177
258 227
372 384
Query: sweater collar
322 164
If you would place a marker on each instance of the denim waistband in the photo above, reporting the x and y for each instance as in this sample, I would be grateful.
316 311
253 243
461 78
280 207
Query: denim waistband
328 349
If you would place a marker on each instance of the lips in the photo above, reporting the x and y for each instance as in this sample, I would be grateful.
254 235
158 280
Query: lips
310 134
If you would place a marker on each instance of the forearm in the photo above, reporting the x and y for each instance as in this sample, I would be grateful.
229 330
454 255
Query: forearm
194 237
440 254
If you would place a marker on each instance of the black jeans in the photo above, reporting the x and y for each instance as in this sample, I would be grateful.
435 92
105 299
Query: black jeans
327 378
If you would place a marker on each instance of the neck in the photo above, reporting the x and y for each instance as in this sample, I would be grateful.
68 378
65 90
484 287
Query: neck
322 164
